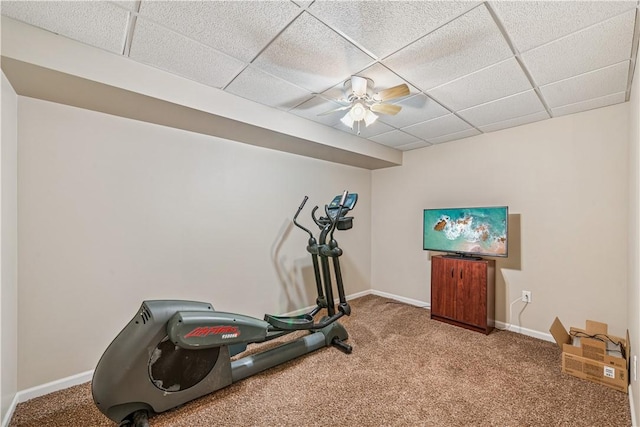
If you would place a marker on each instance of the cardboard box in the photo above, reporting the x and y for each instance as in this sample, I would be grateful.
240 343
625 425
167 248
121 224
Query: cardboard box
592 354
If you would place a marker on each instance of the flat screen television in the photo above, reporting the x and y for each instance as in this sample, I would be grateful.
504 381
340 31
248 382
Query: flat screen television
467 232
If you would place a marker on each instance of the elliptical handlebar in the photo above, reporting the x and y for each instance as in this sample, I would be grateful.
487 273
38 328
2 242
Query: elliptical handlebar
296 217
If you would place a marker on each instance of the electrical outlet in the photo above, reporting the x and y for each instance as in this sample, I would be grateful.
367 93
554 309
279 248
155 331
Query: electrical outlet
526 296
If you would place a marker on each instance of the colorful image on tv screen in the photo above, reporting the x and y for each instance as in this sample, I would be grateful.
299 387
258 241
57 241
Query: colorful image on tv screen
467 230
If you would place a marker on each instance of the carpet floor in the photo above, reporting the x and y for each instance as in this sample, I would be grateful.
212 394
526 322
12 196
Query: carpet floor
405 370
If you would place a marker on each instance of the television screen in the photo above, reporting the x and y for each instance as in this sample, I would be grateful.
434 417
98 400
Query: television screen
467 231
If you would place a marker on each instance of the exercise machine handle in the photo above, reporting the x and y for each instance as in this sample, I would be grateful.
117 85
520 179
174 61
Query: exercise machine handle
298 213
313 215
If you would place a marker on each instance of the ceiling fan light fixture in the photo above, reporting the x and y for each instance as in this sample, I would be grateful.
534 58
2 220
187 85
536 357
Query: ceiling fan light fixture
347 120
369 118
358 112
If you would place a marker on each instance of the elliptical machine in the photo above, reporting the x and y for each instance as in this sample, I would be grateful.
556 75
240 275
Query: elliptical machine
175 351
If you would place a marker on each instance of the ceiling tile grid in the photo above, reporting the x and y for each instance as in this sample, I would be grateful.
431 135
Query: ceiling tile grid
495 81
466 44
311 55
510 107
575 53
266 89
98 24
162 48
240 29
471 67
383 27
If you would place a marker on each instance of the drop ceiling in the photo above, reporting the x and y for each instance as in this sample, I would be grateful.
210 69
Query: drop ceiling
472 67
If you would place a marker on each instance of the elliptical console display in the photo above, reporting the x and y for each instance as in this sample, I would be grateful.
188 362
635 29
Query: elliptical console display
174 351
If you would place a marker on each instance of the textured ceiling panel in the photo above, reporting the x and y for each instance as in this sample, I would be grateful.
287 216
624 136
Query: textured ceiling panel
574 54
413 146
384 27
467 44
496 81
471 60
266 89
454 136
98 24
595 84
312 56
395 138
513 106
533 23
314 108
590 104
161 48
535 117
238 28
437 127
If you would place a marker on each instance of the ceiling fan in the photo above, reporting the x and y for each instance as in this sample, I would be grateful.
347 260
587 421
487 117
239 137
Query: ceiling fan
363 103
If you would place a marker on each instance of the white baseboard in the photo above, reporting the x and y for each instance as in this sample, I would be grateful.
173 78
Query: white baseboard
499 325
61 384
634 420
409 301
7 417
524 331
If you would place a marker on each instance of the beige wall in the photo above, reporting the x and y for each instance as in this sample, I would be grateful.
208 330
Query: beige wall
566 183
8 249
633 293
114 211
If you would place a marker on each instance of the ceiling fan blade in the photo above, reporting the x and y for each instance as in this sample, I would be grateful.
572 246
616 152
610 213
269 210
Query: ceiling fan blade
335 110
392 93
359 85
390 109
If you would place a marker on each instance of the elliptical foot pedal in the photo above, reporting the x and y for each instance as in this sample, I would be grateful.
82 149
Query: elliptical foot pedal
341 345
290 323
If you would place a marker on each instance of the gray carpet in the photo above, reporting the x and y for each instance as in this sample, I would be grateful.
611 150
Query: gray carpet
405 370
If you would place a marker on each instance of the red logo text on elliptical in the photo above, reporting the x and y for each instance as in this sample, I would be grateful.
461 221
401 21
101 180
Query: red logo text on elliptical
225 332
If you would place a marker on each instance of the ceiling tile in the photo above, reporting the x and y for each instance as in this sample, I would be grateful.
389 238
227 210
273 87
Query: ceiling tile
415 109
454 136
395 138
590 104
513 106
575 54
529 118
311 56
533 23
496 81
266 89
384 27
365 131
127 4
314 108
413 146
161 48
98 24
301 3
595 84
463 46
238 28
437 127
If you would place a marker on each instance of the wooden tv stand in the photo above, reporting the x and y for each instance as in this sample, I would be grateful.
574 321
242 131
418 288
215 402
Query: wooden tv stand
463 292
